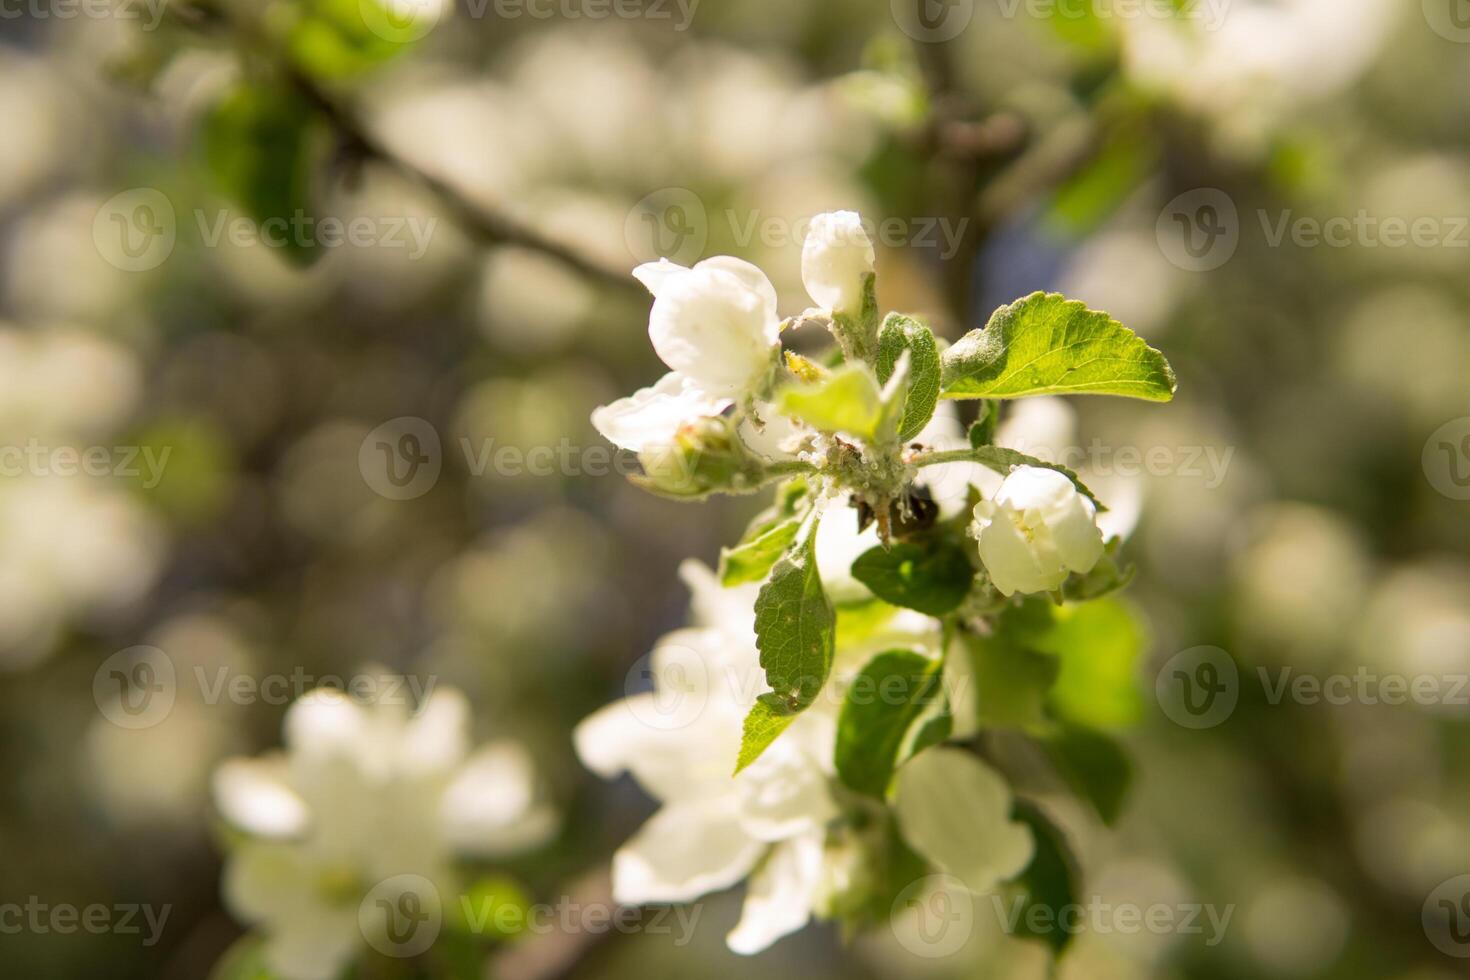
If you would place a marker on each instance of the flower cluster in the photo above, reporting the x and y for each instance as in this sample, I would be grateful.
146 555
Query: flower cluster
903 554
364 796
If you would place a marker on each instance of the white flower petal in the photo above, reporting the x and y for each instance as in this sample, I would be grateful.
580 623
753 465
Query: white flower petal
779 898
671 763
956 811
651 416
315 946
326 722
255 796
713 328
785 792
491 807
756 281
684 851
436 739
654 275
267 881
835 257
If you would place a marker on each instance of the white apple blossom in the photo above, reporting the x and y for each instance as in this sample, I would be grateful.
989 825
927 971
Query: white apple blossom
715 326
835 258
363 793
680 742
1036 531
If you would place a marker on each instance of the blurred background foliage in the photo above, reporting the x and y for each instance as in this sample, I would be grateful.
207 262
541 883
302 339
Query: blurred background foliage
553 154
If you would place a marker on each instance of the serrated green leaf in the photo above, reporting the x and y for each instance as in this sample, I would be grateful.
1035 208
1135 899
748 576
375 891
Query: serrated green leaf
848 401
259 145
763 725
1036 900
751 561
932 576
1046 344
1094 764
885 698
795 628
901 333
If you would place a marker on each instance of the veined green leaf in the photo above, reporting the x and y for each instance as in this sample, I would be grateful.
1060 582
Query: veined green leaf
901 333
1046 344
885 698
795 627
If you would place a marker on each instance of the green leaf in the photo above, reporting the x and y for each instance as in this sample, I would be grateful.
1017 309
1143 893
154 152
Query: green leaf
244 960
1046 344
1098 646
932 576
982 430
857 335
1035 901
259 145
1011 680
751 561
1003 460
1094 764
859 621
763 725
848 401
336 38
901 333
883 701
795 627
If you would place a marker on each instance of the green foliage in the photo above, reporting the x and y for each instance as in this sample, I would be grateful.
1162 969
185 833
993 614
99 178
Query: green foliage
932 575
332 38
1094 764
751 560
848 401
982 430
1046 344
901 333
883 701
244 960
259 145
857 334
1034 901
795 630
1011 679
1097 646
